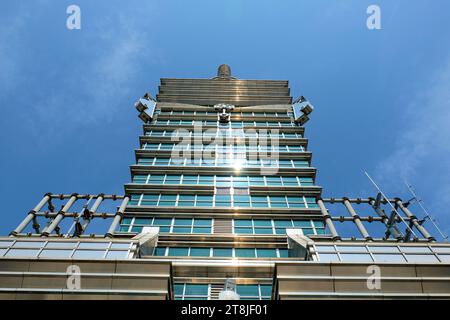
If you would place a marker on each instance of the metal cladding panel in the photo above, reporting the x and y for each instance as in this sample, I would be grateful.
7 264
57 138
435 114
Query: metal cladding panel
350 280
99 279
214 91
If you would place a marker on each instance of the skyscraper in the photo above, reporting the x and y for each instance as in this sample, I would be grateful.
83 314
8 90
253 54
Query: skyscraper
223 191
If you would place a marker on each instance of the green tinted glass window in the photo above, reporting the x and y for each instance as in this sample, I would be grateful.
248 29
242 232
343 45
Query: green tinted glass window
160 251
266 253
181 229
266 290
222 252
262 223
200 252
202 230
302 224
182 222
190 179
283 223
162 221
247 290
202 222
143 221
178 252
167 200
196 290
244 252
242 222
178 289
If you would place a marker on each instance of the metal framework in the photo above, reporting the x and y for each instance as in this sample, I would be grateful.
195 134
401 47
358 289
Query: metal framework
81 219
89 212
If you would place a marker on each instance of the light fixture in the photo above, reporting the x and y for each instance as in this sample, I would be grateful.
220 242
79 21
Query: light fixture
144 116
302 108
146 107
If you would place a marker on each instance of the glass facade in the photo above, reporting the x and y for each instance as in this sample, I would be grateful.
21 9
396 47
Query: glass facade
275 226
382 253
191 291
171 225
224 181
218 200
221 252
164 161
221 149
68 249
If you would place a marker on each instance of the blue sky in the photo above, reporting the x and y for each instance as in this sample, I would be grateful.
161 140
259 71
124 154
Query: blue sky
381 97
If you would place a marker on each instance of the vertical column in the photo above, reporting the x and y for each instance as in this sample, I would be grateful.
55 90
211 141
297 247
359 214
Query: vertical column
414 220
31 215
328 220
356 219
60 215
117 217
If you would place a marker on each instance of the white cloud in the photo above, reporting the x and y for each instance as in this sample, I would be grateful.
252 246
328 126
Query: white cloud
422 150
111 51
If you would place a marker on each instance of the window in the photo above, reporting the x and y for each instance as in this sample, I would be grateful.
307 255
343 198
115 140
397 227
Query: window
188 291
426 258
22 253
223 200
179 252
185 200
266 253
172 179
381 257
140 179
187 179
167 200
200 252
239 199
254 291
89 254
276 226
356 257
204 201
278 202
244 253
259 201
222 252
149 200
68 249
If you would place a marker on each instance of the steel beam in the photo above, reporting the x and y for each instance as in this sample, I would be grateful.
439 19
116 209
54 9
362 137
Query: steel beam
414 220
357 220
117 217
31 215
328 221
60 216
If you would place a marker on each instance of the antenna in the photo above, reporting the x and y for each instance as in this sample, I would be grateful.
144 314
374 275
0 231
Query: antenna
393 208
427 215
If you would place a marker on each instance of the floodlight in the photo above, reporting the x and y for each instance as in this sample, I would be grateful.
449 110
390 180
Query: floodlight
145 117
